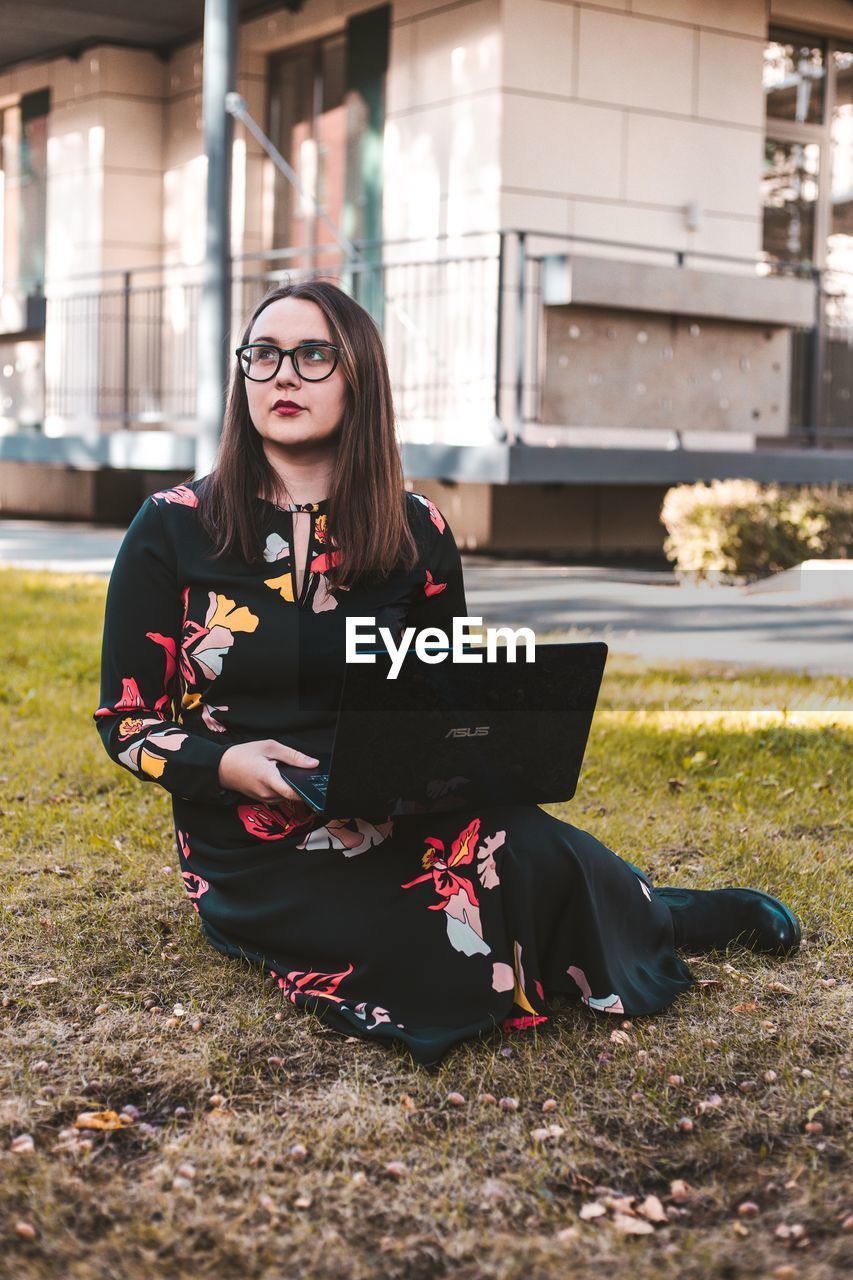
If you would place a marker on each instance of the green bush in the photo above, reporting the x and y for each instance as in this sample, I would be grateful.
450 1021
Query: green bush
737 529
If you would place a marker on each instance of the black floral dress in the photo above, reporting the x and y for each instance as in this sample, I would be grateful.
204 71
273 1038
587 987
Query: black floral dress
424 929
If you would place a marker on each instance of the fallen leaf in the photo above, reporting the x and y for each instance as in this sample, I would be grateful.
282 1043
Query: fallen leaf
104 1120
396 1169
593 1209
41 982
652 1209
620 1037
631 1226
780 989
25 1230
679 1190
23 1145
749 1007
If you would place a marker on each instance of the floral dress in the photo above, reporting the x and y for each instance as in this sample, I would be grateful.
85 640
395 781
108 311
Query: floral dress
424 929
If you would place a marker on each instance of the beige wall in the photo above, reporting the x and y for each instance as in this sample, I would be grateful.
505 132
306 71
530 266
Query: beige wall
628 116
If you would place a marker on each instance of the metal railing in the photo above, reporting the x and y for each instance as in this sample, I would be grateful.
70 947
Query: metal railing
463 319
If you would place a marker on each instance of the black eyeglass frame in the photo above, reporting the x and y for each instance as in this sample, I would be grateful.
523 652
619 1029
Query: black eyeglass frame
287 351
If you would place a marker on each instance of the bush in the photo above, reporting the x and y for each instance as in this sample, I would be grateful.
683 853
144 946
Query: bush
738 529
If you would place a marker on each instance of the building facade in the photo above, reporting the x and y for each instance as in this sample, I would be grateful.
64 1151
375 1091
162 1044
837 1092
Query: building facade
610 245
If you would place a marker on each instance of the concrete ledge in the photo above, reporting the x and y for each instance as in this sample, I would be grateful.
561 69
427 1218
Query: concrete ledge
725 295
135 450
526 464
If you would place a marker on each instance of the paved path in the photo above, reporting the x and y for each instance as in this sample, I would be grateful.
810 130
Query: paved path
647 614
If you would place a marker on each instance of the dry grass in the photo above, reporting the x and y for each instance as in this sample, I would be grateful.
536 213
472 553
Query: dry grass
87 901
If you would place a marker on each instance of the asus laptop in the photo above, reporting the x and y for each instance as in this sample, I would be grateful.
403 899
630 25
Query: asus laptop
445 736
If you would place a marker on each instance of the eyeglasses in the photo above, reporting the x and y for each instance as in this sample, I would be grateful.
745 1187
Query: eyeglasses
313 361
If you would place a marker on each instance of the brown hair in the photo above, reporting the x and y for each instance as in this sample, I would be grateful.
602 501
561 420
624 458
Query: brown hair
367 499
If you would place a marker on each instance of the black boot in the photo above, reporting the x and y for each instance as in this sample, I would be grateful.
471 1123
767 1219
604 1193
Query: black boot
712 919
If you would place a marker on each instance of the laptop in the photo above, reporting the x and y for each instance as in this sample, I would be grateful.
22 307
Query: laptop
445 736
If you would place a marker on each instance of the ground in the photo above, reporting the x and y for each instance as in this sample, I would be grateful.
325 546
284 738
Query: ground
324 1157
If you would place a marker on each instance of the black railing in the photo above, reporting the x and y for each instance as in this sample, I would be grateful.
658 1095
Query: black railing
462 320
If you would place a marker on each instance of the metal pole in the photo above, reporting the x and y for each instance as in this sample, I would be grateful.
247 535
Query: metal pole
220 39
817 363
125 353
520 340
499 328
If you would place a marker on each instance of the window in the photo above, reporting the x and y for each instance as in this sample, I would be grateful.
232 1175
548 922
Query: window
807 200
794 77
807 184
326 114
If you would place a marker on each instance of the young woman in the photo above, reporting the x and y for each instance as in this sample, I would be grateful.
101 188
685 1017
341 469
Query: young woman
224 644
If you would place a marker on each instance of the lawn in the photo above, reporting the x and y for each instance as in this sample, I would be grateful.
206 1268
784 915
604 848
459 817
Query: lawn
706 1141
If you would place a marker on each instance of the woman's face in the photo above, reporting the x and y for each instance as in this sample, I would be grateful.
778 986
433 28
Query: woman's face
314 428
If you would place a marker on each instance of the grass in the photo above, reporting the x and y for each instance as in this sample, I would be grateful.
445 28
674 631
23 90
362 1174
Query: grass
91 900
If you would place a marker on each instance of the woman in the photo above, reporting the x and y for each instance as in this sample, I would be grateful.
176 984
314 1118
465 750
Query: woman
224 645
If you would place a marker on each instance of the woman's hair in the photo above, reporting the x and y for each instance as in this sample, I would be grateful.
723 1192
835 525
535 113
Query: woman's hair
367 499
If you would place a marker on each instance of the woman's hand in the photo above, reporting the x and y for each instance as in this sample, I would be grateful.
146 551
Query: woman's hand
250 768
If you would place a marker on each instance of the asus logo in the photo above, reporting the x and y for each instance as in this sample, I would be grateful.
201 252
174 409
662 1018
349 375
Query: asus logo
479 732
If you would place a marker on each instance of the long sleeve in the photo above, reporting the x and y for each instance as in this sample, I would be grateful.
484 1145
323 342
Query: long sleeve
442 596
140 684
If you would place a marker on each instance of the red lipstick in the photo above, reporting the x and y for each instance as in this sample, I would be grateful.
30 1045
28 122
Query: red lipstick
286 408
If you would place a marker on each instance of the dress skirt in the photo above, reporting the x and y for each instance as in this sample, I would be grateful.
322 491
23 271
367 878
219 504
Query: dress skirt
447 928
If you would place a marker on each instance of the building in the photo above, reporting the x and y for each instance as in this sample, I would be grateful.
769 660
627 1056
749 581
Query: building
610 245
